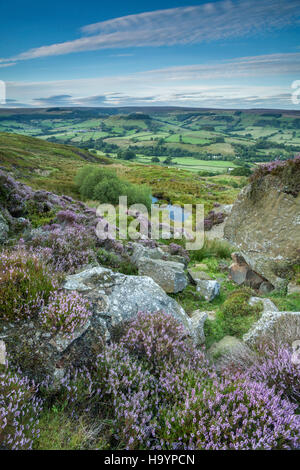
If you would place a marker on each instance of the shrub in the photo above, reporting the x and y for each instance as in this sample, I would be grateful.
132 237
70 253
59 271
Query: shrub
275 368
235 317
88 177
65 313
157 337
109 190
230 414
25 284
19 410
68 247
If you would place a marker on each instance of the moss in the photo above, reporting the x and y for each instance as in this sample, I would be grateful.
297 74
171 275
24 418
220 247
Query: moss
234 318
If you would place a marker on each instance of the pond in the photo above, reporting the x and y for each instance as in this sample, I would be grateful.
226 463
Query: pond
177 213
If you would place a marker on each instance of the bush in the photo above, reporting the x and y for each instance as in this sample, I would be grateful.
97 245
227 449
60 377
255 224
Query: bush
158 338
65 313
65 248
103 185
275 368
25 284
235 317
19 410
231 414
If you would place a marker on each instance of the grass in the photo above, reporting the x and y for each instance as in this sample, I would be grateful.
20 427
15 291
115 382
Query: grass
44 165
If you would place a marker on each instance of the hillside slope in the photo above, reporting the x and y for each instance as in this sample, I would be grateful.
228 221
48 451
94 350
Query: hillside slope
42 164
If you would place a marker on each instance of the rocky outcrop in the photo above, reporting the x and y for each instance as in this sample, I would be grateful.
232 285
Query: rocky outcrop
265 226
167 274
273 326
114 299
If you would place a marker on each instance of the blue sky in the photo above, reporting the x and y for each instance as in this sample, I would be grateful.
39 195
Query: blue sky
228 53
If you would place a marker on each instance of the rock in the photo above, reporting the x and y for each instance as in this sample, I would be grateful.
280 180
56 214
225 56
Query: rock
167 274
137 251
2 353
293 288
241 273
198 319
265 288
275 327
4 229
268 305
208 289
230 351
265 226
196 275
117 298
114 300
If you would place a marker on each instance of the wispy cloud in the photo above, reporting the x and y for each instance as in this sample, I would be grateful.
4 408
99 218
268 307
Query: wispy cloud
211 85
183 25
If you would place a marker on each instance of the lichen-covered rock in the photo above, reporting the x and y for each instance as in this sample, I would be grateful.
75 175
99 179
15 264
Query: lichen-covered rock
198 319
117 298
273 326
4 229
208 289
265 227
230 351
198 275
167 274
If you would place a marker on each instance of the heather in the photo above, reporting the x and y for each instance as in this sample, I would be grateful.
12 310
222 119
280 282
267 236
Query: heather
25 284
287 173
19 411
147 395
65 313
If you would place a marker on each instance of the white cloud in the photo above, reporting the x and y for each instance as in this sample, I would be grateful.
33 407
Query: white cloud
183 25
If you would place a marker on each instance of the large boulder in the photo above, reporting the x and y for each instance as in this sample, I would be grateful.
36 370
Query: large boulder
198 319
117 298
114 300
265 227
273 326
169 275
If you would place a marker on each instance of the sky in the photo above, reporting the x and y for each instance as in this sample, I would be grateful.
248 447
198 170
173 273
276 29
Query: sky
212 54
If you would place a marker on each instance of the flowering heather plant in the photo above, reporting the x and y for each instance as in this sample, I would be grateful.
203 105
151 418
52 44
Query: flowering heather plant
25 284
276 369
71 246
67 216
65 312
157 337
230 414
288 171
19 410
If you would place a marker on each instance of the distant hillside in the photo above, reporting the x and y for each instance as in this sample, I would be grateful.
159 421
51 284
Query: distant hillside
253 135
43 164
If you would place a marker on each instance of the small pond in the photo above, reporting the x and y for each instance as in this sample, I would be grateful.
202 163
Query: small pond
177 214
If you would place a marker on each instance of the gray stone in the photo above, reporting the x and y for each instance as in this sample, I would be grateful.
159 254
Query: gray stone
231 351
268 305
198 319
197 275
4 229
264 226
275 327
208 289
167 274
125 296
293 288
